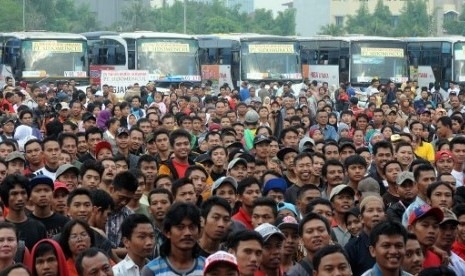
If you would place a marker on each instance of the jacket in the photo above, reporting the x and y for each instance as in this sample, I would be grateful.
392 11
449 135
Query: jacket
62 265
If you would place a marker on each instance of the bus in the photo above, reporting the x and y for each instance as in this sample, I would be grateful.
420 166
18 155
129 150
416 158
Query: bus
41 57
233 58
168 58
436 59
354 59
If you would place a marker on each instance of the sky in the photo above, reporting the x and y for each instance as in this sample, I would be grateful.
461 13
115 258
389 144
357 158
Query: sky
274 5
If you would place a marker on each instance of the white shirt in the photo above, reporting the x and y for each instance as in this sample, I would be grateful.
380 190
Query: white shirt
457 264
45 172
458 177
126 268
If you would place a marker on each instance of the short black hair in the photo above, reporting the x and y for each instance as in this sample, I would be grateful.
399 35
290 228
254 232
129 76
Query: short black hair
88 253
179 183
175 134
131 222
382 145
10 182
422 168
235 238
433 186
389 228
77 192
317 201
389 163
214 201
458 140
102 200
92 165
305 188
93 130
311 216
245 183
328 250
161 191
330 162
268 202
190 169
354 160
146 158
62 136
287 130
125 180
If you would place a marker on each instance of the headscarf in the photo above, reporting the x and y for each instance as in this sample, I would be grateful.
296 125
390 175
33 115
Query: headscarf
341 127
370 137
23 134
61 260
103 117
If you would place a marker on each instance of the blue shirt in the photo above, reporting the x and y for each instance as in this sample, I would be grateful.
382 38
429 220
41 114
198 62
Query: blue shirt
162 267
328 131
244 93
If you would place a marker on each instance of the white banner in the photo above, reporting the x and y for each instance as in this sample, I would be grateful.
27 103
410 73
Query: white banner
120 80
324 73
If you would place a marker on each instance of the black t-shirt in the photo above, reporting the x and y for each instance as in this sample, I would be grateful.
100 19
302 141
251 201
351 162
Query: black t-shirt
215 175
53 224
390 199
31 231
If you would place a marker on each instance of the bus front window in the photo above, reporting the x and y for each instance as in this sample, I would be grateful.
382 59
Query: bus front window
270 61
54 58
376 60
170 60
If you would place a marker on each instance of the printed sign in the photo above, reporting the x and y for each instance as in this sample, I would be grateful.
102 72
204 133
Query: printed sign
322 73
120 80
56 46
75 74
34 74
218 74
271 48
382 52
165 47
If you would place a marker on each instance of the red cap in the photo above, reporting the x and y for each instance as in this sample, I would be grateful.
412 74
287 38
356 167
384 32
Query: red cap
214 127
60 185
443 153
102 145
423 211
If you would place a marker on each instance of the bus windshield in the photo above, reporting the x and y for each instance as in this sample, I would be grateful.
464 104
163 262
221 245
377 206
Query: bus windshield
54 58
169 59
459 64
270 61
378 60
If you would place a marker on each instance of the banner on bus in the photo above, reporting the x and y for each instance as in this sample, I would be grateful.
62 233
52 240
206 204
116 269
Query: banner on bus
95 72
271 48
121 80
165 47
382 52
217 74
322 73
56 46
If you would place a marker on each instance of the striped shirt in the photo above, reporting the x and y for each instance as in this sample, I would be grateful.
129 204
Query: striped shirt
161 266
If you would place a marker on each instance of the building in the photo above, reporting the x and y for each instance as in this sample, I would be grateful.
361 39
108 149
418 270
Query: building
108 12
336 12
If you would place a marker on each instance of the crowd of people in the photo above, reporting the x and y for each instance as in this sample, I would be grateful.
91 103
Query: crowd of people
258 180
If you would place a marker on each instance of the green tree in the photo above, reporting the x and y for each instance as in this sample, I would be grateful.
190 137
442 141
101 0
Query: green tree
11 12
414 20
286 22
136 17
381 24
359 23
332 29
456 27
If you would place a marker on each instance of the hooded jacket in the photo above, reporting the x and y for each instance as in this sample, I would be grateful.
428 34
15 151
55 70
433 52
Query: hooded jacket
62 266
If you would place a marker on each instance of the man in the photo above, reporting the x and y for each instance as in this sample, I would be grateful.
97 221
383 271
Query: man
136 141
247 247
237 169
303 170
14 193
356 167
181 228
216 214
447 235
314 231
122 191
382 153
109 172
261 145
387 246
52 151
458 247
34 156
322 123
225 187
162 144
331 150
248 190
168 122
183 190
346 149
180 143
424 175
264 211
305 195
333 173
413 261
391 170
41 197
139 240
92 261
272 249
213 139
93 136
289 226
68 142
286 156
342 199
407 190
221 263
103 150
69 175
457 147
60 195
90 174
102 205
424 222
444 128
15 163
289 137
331 257
445 163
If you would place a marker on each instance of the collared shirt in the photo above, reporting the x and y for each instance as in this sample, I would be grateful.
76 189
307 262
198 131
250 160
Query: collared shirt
457 264
113 226
342 235
243 217
126 267
376 271
359 255
162 267
417 203
328 131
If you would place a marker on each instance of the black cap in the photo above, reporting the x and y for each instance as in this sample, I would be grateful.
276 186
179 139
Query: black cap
261 139
88 116
203 158
282 152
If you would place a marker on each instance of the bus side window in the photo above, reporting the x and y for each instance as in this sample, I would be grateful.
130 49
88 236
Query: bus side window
225 56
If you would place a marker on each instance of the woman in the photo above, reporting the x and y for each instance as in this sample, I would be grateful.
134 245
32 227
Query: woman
440 194
332 120
48 259
116 111
263 116
9 245
387 132
76 237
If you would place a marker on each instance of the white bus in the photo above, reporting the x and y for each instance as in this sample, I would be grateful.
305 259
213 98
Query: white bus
233 58
40 57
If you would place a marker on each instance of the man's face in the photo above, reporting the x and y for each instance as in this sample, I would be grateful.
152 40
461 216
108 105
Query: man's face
184 236
261 150
80 207
424 180
322 118
382 157
69 144
146 127
122 141
303 169
227 192
159 205
104 153
52 153
447 233
93 140
356 172
262 214
239 132
181 147
441 130
315 235
70 178
214 140
392 170
162 143
389 252
17 198
413 260
343 202
334 175
91 179
239 172
199 179
459 152
168 123
41 195
15 166
272 253
333 263
216 225
97 265
185 193
378 117
149 169
250 194
121 197
135 103
454 101
76 109
427 230
82 144
46 264
291 140
136 140
109 171
331 152
249 256
346 152
142 240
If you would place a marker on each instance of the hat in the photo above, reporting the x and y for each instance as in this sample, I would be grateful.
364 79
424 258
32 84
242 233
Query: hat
443 153
275 183
251 117
64 105
389 111
64 168
99 93
304 141
369 186
60 185
370 198
424 110
423 211
202 158
236 161
7 119
440 110
149 138
102 145
449 216
267 230
261 139
403 176
214 127
282 152
235 145
340 189
222 180
122 130
287 222
287 206
220 257
15 155
395 138
88 116
353 100
194 99
42 179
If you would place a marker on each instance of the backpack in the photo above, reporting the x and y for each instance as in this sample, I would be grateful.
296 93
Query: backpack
307 265
436 97
19 257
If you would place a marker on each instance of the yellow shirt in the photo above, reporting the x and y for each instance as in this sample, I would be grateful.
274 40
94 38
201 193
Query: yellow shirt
425 151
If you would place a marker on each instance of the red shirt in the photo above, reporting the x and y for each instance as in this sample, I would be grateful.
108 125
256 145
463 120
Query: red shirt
431 259
459 249
243 217
180 168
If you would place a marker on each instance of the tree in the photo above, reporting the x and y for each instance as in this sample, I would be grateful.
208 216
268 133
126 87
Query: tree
332 29
381 23
456 27
415 20
358 23
11 12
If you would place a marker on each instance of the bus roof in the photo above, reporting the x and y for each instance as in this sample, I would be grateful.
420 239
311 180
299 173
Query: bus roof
450 39
245 37
146 34
97 35
43 35
360 38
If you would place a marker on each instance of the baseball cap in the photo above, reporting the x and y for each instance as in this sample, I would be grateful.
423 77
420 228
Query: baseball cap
443 153
449 216
64 105
7 119
275 183
304 141
403 176
220 257
60 185
41 179
340 189
64 168
369 186
423 211
149 138
287 206
261 139
203 158
282 152
15 155
287 222
214 127
267 230
99 93
251 117
87 117
102 145
122 130
389 111
236 161
395 138
222 180
235 145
